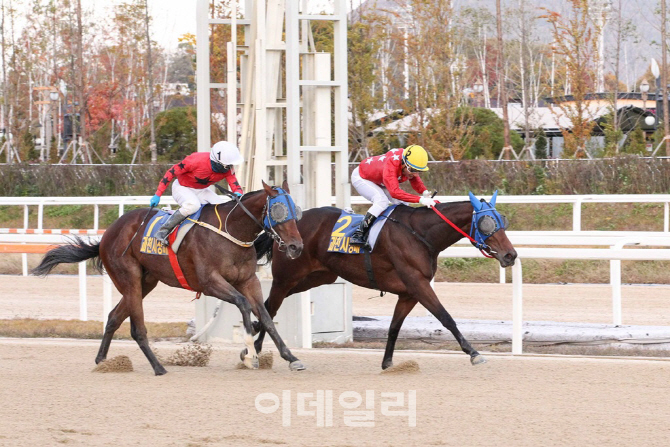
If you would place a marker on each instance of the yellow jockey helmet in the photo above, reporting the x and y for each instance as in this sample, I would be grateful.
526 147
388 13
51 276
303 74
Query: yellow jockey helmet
415 158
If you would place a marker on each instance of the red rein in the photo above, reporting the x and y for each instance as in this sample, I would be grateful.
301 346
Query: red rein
459 230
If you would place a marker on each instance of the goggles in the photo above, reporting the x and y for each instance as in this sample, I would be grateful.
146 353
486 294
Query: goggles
220 168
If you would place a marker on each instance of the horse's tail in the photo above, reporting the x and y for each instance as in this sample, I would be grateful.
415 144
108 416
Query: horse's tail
76 250
263 245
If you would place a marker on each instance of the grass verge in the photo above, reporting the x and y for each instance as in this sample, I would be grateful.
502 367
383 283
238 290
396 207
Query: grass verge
32 328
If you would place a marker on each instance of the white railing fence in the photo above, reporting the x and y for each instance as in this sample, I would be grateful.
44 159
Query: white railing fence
576 200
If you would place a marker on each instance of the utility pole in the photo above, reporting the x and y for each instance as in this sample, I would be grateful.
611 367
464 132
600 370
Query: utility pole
80 81
664 78
152 146
501 86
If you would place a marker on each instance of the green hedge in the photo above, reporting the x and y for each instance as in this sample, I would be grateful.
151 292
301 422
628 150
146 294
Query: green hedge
620 175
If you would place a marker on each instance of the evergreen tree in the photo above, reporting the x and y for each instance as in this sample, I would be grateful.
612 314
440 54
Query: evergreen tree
635 144
541 145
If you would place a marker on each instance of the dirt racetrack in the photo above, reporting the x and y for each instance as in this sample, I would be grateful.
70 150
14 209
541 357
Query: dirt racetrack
50 397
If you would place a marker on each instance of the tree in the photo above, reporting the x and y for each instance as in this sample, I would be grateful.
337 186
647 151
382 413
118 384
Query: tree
175 134
501 84
364 41
429 88
574 40
636 144
541 145
486 138
150 77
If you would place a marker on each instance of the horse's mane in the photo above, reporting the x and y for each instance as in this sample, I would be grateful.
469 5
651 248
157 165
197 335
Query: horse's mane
263 245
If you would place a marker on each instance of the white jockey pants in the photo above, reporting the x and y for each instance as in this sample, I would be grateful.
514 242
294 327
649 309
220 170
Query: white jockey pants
190 199
378 195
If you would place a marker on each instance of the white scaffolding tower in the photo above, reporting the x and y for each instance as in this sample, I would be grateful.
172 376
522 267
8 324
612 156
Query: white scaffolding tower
291 118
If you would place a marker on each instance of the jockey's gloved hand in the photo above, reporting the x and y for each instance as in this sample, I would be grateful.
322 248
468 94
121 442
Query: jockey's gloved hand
155 200
426 193
427 201
238 194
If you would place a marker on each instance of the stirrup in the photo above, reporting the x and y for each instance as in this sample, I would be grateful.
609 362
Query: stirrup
358 240
164 240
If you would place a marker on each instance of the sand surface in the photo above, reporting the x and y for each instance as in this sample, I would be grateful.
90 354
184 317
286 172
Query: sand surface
50 396
58 297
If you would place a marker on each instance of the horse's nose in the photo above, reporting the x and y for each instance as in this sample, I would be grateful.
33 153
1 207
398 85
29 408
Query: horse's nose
509 257
294 250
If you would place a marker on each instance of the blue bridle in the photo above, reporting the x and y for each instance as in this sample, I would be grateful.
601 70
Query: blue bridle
486 220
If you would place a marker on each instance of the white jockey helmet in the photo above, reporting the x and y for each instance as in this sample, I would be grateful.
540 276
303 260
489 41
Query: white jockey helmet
226 154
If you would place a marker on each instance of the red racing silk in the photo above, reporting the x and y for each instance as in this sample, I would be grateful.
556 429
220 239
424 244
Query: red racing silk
386 170
195 171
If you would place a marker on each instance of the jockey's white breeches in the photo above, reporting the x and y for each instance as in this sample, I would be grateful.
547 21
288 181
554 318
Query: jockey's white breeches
378 195
190 199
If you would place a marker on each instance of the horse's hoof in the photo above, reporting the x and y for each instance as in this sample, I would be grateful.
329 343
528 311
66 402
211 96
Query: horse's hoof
297 366
161 372
387 365
251 362
98 360
477 359
243 353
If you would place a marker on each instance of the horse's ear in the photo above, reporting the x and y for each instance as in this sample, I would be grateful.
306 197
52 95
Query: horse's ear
268 189
493 199
284 186
476 204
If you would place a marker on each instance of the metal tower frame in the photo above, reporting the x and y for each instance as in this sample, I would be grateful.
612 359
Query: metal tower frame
284 86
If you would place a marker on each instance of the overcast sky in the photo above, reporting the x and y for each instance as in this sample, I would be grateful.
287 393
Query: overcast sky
173 18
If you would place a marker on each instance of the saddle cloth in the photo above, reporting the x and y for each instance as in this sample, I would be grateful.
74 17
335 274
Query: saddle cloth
347 224
151 245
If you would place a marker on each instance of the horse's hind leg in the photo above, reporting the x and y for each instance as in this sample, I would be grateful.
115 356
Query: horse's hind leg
403 307
138 331
117 316
426 296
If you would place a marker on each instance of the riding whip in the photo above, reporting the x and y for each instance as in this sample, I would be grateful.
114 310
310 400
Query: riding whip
138 230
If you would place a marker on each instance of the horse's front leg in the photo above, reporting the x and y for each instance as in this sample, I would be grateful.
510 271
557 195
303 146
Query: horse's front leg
425 295
252 290
221 289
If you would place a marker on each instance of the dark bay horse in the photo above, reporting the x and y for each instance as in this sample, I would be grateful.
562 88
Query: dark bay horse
404 260
211 264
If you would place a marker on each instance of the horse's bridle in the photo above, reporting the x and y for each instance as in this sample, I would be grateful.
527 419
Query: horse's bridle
277 210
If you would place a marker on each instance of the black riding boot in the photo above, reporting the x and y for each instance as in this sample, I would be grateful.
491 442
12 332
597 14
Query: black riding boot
168 226
360 236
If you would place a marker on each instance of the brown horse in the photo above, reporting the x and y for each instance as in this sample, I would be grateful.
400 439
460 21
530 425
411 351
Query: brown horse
403 262
212 264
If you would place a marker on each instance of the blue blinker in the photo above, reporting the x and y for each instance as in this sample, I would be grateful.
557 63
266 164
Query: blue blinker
280 209
486 220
